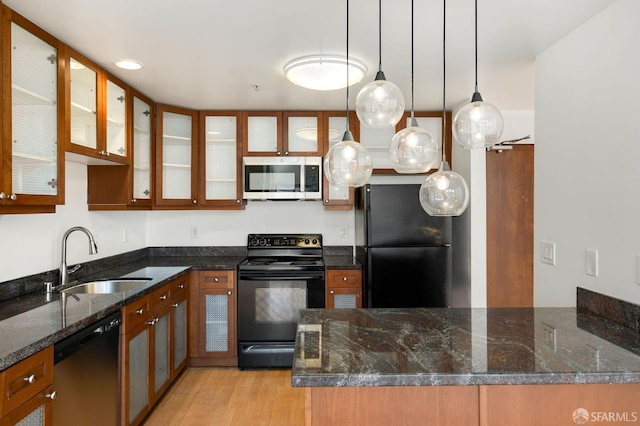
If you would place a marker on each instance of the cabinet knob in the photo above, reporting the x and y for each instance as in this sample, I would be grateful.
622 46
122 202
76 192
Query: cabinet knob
278 153
326 201
133 200
229 292
52 395
2 196
30 379
13 197
194 201
331 292
181 286
345 279
153 321
163 297
140 311
286 153
175 305
216 279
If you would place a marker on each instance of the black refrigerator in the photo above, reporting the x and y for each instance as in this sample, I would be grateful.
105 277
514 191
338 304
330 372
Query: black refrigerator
406 254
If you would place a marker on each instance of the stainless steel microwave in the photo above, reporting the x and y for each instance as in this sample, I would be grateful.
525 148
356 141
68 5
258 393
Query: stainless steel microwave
282 178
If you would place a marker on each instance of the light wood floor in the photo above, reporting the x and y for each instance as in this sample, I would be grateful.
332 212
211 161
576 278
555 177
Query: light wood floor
228 396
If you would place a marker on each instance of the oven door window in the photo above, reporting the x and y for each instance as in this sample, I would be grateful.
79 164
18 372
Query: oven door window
268 309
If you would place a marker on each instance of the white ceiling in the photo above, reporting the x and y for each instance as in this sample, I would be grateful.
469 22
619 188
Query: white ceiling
207 54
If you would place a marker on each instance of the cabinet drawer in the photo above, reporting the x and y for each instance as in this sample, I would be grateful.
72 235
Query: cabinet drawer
135 313
161 298
25 379
217 279
344 278
179 289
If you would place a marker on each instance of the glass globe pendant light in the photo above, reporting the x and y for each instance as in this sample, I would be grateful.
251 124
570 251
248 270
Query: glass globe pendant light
413 149
348 163
380 103
445 192
477 124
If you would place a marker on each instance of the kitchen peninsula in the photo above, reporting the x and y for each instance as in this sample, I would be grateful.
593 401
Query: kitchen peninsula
459 366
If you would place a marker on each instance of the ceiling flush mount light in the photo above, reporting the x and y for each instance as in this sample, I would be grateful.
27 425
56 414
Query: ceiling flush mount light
128 64
380 103
324 72
477 124
412 149
348 163
445 192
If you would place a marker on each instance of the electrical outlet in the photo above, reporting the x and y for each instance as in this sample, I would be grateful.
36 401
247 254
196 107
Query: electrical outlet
194 231
344 232
548 252
125 235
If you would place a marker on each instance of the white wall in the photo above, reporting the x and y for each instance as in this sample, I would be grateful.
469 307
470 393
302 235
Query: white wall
587 174
31 243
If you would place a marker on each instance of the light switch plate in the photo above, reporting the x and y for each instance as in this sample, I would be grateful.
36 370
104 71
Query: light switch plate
591 262
548 252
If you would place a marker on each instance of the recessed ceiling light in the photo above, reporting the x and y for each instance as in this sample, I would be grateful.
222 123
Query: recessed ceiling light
128 64
324 72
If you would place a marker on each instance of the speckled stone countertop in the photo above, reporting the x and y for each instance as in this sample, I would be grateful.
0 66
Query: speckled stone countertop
459 346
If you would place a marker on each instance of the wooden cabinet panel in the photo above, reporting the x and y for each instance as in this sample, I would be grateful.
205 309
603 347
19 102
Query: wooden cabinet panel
344 288
36 411
26 379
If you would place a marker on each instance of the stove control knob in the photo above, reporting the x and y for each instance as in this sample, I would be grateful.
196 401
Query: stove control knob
315 242
253 242
306 241
263 242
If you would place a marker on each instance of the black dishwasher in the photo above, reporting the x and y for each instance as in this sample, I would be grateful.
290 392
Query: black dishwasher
85 375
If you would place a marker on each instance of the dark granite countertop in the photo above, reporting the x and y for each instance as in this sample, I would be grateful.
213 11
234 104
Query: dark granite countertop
29 332
458 346
341 262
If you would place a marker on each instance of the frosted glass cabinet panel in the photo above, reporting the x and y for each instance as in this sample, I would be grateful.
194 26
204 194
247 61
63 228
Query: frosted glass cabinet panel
142 116
33 154
263 133
116 119
176 138
84 104
303 133
334 126
221 152
377 141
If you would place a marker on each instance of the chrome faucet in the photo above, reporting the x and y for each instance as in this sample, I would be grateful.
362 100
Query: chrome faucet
93 249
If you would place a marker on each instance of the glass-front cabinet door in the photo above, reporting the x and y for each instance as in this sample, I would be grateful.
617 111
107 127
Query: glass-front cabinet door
116 118
220 159
83 104
302 133
142 160
262 133
335 124
176 174
32 159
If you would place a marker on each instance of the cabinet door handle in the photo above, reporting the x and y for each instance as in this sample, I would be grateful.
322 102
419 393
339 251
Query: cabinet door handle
229 292
216 279
2 196
163 297
153 321
345 279
133 200
13 197
194 201
181 286
331 292
30 379
140 311
175 305
52 395
286 153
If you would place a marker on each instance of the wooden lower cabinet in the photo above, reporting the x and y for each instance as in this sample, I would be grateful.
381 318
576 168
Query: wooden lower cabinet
494 405
212 318
27 391
153 347
344 288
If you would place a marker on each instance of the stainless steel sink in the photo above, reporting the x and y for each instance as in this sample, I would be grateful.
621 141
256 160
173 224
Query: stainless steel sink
118 285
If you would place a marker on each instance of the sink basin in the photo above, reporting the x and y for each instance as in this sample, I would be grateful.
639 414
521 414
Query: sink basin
107 286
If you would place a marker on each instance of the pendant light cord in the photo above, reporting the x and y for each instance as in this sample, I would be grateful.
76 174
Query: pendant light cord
444 80
412 115
347 103
476 39
379 35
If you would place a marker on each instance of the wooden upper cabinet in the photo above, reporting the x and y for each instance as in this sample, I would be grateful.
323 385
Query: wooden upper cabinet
221 159
274 133
121 188
334 124
97 110
176 156
32 125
